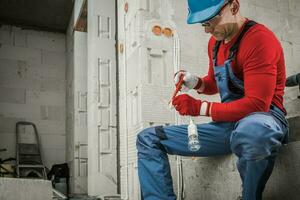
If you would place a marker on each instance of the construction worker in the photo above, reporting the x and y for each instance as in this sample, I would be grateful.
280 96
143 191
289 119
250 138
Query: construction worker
247 68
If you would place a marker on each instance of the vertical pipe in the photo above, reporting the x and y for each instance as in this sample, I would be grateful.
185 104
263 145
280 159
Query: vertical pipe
126 125
176 60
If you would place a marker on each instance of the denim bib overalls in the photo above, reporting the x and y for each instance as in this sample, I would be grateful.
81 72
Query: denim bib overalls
255 139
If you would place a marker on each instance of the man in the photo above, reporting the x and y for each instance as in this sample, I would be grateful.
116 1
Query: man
247 69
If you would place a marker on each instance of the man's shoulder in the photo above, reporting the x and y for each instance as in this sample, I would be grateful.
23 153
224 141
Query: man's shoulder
260 42
259 33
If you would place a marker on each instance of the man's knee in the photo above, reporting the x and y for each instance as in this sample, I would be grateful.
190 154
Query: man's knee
144 137
256 136
148 140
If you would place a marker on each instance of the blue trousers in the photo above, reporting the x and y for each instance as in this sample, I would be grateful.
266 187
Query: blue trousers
255 139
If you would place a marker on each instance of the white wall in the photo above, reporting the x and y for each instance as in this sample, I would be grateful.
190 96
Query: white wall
146 68
101 98
32 88
76 123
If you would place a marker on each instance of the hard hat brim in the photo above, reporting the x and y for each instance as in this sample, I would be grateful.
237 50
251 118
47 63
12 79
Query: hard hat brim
204 15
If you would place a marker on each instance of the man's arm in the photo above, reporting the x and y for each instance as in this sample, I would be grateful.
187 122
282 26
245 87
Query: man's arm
260 74
209 86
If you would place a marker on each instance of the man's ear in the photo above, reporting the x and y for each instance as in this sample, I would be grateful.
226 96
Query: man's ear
235 7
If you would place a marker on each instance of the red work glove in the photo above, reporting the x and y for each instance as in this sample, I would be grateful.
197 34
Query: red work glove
187 105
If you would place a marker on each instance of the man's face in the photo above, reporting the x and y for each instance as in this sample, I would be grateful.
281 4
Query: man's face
219 26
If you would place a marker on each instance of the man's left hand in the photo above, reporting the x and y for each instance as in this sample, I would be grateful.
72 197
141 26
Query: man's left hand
187 105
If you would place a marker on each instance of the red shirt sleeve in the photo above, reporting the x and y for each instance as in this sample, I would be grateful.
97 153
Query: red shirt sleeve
259 55
209 80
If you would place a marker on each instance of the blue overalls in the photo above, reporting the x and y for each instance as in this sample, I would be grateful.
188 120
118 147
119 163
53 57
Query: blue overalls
255 139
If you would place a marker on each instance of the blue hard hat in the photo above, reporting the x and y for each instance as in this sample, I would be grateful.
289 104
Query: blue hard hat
203 10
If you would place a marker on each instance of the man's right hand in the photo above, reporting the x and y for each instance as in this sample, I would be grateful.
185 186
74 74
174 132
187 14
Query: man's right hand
190 81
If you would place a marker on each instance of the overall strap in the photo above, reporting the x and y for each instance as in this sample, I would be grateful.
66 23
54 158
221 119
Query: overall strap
235 46
215 52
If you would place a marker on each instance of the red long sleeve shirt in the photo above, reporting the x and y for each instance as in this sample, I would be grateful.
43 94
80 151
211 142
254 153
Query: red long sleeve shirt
260 63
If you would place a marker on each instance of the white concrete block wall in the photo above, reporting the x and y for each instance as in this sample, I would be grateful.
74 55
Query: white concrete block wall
80 108
76 104
32 86
145 78
101 99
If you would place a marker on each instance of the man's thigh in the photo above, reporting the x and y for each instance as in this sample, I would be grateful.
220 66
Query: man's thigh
214 139
257 136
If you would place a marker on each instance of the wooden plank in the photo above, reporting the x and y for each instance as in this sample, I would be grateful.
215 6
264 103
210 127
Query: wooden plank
81 22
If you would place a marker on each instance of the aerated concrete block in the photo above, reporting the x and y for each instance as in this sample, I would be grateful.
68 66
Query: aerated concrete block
8 125
25 189
6 36
55 113
53 141
53 156
48 126
45 98
20 37
11 110
294 8
12 95
270 18
20 53
293 105
211 178
53 58
285 180
47 41
294 129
